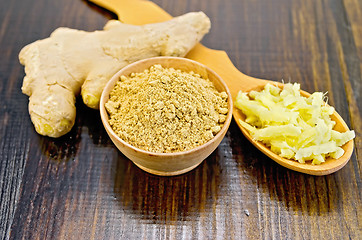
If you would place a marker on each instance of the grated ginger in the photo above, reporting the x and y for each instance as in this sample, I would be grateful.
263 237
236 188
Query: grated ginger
293 126
166 110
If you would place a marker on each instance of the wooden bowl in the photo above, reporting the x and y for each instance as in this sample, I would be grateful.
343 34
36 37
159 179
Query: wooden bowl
167 164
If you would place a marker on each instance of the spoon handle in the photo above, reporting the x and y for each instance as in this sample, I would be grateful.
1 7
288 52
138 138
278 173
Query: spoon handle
135 12
219 61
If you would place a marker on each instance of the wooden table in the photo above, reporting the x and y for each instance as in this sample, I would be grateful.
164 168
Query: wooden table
80 187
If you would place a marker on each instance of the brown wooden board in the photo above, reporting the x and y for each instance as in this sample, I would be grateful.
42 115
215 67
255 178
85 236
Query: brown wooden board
80 187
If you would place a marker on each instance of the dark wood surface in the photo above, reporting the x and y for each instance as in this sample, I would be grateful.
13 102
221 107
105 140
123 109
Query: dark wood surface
80 187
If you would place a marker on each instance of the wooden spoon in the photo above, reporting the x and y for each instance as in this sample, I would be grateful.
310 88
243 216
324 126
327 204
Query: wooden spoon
236 81
143 12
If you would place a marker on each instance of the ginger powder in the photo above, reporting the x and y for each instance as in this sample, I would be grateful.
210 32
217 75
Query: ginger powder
166 110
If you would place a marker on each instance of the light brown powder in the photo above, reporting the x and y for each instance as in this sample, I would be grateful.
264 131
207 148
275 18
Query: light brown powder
166 110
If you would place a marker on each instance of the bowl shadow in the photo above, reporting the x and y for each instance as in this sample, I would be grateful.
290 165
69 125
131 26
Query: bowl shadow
164 200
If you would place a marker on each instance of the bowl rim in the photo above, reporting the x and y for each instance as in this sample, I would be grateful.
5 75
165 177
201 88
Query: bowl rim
110 85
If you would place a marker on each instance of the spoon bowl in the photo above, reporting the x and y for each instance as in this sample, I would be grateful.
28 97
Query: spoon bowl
329 166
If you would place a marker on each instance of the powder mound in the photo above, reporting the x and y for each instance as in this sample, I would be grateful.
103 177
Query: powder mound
166 110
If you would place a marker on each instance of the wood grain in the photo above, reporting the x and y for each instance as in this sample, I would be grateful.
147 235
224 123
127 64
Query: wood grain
80 187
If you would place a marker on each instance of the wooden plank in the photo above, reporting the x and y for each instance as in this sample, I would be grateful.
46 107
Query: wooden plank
81 187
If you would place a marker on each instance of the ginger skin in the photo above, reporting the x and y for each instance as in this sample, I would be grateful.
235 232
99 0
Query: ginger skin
72 62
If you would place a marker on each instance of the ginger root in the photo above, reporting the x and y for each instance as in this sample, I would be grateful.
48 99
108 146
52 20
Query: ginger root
72 62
